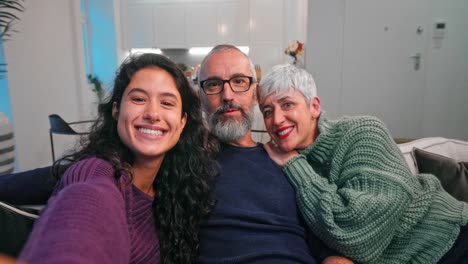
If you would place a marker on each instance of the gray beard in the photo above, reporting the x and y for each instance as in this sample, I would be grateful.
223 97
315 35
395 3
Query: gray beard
230 129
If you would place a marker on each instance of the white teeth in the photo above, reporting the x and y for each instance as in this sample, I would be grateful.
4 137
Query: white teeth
284 132
150 131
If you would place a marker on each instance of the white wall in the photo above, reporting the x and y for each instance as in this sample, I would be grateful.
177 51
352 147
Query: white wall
44 66
444 110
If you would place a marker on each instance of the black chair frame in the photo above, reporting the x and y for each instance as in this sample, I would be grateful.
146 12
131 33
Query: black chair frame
61 127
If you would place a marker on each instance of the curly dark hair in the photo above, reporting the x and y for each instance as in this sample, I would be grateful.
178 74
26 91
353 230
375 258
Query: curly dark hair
183 198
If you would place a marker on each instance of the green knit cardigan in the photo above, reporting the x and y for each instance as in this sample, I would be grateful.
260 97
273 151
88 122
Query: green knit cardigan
357 194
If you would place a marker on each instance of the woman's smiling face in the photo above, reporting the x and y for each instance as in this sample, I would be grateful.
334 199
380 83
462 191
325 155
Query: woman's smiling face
290 120
150 118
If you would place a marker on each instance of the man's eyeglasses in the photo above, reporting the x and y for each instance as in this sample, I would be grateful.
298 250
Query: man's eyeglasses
238 84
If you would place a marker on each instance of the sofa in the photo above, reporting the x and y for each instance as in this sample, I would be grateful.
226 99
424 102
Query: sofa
443 157
455 149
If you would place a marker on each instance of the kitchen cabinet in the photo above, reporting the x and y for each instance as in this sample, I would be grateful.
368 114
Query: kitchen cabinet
267 18
169 26
267 38
186 24
139 26
201 24
233 22
210 23
266 26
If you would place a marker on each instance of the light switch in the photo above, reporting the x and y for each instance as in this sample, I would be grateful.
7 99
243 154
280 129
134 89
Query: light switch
440 28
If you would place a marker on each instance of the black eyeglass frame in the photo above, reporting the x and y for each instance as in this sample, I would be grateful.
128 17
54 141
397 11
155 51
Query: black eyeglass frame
250 78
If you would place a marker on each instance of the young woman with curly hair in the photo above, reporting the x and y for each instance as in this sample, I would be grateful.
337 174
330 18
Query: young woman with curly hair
139 186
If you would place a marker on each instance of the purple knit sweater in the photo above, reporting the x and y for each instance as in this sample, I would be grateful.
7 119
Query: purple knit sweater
93 218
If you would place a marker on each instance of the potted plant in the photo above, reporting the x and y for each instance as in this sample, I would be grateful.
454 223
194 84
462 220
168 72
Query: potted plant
295 50
8 11
96 87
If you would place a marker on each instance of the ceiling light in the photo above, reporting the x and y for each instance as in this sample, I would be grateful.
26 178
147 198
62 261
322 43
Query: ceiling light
200 50
156 51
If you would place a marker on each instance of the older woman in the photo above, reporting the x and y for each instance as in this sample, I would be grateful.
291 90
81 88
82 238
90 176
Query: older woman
353 185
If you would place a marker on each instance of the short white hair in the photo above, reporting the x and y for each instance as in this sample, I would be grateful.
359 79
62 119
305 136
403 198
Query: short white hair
284 77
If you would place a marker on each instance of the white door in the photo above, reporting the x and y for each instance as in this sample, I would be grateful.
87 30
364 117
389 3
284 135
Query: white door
384 53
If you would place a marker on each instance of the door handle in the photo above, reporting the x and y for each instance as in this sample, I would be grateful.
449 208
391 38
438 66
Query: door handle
417 60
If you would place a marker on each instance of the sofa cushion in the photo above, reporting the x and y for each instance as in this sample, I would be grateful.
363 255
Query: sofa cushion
452 148
452 174
15 225
11 183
